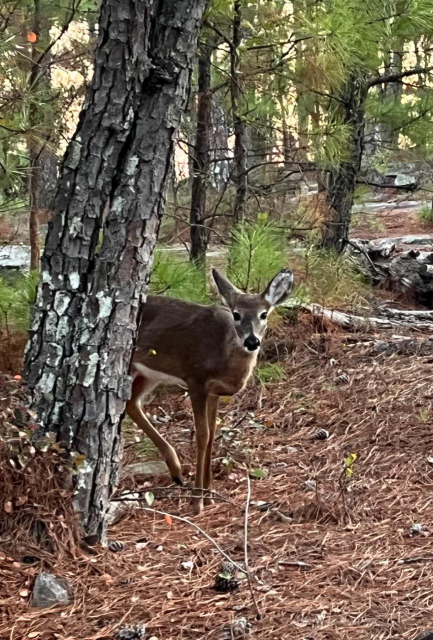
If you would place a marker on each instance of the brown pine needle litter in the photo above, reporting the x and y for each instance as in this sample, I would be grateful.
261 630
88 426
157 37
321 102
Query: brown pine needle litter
330 546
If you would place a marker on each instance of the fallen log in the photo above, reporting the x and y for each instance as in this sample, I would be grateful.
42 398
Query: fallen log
385 263
385 319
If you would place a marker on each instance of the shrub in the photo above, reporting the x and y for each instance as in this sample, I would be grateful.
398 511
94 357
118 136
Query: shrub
426 213
257 251
16 300
268 373
331 280
177 278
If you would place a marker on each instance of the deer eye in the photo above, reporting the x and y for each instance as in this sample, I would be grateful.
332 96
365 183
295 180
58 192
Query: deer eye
263 315
236 316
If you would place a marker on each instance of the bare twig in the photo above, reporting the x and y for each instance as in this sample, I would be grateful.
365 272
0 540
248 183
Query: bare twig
250 584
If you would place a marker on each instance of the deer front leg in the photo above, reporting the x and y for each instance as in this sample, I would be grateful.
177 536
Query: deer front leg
212 413
199 407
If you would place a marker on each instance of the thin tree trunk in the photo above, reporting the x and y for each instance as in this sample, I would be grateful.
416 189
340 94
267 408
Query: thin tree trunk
240 175
391 93
201 159
342 179
85 318
33 150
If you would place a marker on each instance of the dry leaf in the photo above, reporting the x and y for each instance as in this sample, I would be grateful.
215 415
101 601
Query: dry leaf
24 593
168 519
8 506
34 634
21 500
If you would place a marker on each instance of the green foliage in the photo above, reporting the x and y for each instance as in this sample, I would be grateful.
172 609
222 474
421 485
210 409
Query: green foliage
16 300
269 373
426 213
331 280
173 276
362 194
256 254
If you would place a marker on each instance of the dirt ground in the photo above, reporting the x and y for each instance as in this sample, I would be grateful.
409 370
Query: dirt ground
330 559
395 218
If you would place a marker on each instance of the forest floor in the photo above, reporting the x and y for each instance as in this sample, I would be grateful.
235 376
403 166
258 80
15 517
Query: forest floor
330 559
390 215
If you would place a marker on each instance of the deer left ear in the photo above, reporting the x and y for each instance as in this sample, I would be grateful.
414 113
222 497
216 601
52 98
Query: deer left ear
279 288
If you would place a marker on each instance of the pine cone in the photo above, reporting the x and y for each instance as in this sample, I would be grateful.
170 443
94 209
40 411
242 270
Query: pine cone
321 434
225 581
131 632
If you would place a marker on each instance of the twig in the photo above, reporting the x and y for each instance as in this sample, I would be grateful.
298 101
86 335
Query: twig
247 508
415 559
202 531
167 492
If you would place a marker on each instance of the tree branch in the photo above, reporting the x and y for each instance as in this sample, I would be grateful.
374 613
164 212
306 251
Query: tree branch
395 77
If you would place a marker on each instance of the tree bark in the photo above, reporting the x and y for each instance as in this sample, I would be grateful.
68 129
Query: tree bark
342 179
201 158
85 318
240 174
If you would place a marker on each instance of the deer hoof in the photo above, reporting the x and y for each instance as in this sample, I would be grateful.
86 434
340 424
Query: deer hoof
177 480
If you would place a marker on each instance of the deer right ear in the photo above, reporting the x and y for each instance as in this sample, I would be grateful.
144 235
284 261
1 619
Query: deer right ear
227 290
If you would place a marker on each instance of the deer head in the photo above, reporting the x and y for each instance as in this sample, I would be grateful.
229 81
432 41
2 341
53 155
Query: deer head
250 311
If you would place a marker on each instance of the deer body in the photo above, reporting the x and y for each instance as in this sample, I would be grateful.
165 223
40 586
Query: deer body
211 351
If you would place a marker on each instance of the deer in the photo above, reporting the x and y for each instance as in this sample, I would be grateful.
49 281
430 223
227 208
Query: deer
211 350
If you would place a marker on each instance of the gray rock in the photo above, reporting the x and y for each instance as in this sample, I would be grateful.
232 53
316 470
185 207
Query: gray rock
151 468
49 591
403 180
15 257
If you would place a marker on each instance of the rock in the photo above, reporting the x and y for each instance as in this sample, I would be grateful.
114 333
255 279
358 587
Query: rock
15 257
49 591
131 632
14 261
403 180
151 468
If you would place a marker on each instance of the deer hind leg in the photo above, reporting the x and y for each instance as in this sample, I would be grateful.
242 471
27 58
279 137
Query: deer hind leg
212 412
199 402
134 408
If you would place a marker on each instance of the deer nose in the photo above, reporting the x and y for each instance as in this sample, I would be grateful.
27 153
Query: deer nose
252 343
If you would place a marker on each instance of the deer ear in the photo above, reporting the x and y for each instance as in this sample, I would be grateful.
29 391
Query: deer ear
279 288
227 290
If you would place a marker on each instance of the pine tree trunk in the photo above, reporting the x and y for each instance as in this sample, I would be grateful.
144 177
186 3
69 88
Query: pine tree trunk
85 318
391 93
33 148
342 179
201 159
240 175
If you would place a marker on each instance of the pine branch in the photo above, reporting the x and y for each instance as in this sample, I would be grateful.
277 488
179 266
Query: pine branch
396 77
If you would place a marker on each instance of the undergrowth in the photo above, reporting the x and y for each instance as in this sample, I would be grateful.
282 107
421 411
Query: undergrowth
16 299
268 373
332 280
257 251
173 276
426 213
